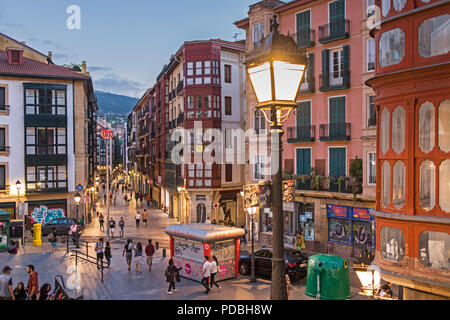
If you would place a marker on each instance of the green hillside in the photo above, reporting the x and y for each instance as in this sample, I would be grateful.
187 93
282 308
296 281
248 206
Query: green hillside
110 103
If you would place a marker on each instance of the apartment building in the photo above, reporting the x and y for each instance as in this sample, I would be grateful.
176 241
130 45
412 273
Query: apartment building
47 133
329 141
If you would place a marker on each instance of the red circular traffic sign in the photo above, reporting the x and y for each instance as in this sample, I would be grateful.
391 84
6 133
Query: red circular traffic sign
107 134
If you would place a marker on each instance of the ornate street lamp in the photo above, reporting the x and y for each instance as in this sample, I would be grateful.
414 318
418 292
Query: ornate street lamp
276 67
252 212
77 199
19 186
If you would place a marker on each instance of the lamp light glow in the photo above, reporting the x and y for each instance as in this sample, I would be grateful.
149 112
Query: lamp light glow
287 78
77 198
260 78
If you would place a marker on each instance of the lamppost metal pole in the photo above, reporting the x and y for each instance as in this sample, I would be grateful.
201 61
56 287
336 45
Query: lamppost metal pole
253 274
107 188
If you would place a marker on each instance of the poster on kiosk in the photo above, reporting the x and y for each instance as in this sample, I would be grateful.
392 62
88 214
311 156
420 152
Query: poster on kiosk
190 243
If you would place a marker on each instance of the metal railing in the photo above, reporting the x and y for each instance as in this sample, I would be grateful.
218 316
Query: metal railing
335 30
334 80
335 131
301 134
308 85
305 37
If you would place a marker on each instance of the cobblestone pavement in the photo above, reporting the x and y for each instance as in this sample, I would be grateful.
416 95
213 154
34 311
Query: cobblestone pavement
120 284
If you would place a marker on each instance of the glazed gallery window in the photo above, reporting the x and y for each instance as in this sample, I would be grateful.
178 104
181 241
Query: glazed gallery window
190 69
398 184
370 54
434 36
444 126
190 104
385 7
44 140
386 184
392 243
427 185
433 249
258 31
45 100
198 68
384 131
444 185
207 67
398 129
259 167
398 4
391 47
46 177
426 127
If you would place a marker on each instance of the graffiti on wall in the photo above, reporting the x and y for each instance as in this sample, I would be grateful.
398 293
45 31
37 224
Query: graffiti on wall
44 215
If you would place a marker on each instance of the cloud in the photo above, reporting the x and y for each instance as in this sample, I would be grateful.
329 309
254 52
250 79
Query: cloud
52 44
61 56
98 69
114 83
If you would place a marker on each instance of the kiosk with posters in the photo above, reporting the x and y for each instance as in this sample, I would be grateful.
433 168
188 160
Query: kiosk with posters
190 243
4 229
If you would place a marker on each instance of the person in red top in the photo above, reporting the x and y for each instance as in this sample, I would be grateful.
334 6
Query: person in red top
33 284
149 251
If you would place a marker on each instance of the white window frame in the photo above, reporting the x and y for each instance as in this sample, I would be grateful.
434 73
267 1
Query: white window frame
367 55
368 167
340 80
263 168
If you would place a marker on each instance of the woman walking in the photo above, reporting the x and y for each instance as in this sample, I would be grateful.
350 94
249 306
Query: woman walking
128 252
45 293
214 267
19 292
108 253
138 257
172 275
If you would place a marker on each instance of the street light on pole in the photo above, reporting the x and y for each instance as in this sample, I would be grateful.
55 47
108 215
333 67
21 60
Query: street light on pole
19 186
77 199
252 212
276 67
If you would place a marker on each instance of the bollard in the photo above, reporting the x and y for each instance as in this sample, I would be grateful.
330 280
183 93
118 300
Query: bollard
87 250
164 252
37 241
157 245
67 240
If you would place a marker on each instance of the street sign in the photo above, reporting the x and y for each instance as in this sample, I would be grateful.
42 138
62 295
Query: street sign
87 199
107 134
79 187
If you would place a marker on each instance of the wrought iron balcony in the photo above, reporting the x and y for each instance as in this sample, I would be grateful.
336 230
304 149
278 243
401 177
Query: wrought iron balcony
334 80
308 85
335 132
305 37
180 87
180 118
335 30
330 184
301 134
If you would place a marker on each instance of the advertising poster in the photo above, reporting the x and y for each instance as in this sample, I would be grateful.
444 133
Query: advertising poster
251 196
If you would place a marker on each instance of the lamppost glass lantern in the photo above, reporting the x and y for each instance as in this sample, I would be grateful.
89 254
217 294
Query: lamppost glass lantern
18 186
77 198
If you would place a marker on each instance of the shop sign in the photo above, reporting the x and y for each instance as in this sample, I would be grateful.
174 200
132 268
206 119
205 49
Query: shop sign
288 188
342 212
200 197
251 196
361 214
265 194
288 206
43 214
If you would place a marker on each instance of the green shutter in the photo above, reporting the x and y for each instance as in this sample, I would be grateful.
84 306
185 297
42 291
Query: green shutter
303 161
325 67
337 117
337 15
346 65
304 119
303 27
310 64
337 162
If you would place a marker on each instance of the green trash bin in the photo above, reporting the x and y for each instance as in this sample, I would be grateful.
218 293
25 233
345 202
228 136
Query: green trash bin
328 278
4 229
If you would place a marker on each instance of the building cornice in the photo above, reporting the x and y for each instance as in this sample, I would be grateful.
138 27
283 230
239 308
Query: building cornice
415 218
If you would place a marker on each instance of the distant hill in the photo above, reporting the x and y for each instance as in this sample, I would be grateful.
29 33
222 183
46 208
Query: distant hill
110 103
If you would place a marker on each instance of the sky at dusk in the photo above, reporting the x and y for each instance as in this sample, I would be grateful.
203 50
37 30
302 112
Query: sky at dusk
125 43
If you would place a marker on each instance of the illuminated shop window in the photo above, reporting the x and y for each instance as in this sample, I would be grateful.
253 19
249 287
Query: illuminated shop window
434 249
444 126
398 129
384 131
386 183
391 47
392 244
444 186
427 185
426 127
398 185
434 36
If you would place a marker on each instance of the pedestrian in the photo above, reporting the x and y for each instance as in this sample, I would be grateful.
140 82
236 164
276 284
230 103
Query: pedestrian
125 197
147 197
112 226
128 252
75 234
110 198
144 217
108 254
141 198
99 251
82 221
6 290
19 292
244 237
288 285
136 196
115 195
53 238
104 198
46 292
138 219
149 252
214 268
300 244
208 220
12 247
121 227
33 283
172 275
139 257
101 220
206 273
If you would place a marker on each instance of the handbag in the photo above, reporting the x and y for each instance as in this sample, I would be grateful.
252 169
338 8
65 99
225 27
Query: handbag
167 275
177 277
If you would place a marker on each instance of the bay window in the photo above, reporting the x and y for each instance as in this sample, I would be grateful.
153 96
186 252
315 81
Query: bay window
427 185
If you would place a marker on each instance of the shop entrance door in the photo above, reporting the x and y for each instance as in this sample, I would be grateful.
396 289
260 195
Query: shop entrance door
201 213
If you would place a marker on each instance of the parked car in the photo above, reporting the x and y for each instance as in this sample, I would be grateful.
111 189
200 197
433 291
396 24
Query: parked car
296 263
62 226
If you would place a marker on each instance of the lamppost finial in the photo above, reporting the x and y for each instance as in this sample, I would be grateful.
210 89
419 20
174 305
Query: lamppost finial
274 25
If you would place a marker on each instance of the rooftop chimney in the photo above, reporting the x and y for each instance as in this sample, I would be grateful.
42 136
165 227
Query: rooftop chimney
15 56
50 55
83 66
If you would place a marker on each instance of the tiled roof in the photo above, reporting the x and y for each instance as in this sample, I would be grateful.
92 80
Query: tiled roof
35 69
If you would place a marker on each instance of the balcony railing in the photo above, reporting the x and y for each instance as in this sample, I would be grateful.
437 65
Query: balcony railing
180 87
330 184
301 134
180 119
305 38
334 80
335 30
308 85
335 132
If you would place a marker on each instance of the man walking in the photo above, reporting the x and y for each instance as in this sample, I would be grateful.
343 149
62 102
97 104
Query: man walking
101 220
99 251
144 217
149 251
33 283
138 219
75 235
112 227
147 197
121 227
206 273
6 290
128 252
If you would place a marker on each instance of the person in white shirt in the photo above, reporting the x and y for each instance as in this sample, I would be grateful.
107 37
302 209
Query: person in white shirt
138 219
207 221
206 273
214 267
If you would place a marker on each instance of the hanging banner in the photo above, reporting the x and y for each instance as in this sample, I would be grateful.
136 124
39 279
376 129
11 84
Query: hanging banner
251 196
288 189
265 194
